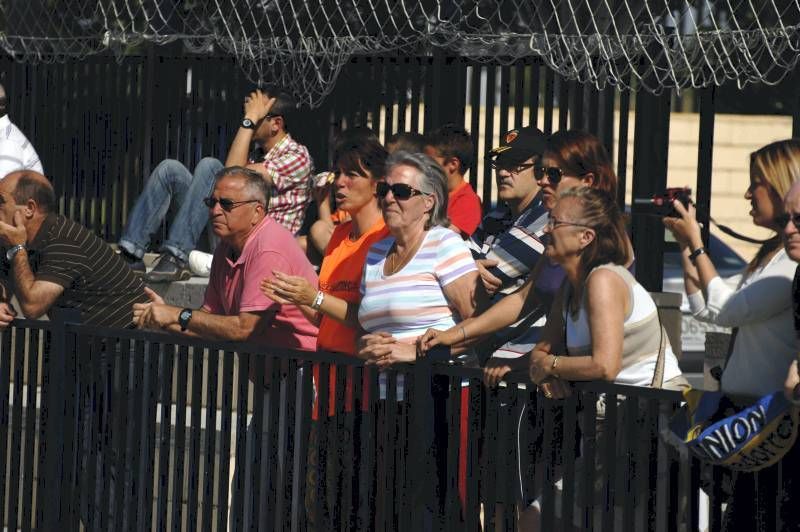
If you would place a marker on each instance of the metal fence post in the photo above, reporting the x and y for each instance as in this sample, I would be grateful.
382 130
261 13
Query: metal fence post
58 405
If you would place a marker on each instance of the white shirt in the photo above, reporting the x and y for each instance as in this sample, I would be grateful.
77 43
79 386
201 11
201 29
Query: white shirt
761 307
16 151
643 310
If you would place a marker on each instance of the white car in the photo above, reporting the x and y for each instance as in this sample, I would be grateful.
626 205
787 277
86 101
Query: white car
728 263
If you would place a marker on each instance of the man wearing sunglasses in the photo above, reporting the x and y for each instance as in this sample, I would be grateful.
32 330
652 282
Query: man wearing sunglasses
286 167
252 246
508 242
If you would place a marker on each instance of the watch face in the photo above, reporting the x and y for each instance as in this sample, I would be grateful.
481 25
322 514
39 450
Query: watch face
13 250
247 123
185 315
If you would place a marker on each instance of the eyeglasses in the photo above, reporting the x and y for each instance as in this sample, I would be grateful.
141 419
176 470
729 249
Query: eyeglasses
513 169
553 173
227 204
782 219
553 223
400 191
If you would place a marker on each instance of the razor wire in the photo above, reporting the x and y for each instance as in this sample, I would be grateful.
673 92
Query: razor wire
303 44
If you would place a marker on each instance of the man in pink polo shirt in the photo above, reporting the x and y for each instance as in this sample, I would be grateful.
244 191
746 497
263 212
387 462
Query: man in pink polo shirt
252 246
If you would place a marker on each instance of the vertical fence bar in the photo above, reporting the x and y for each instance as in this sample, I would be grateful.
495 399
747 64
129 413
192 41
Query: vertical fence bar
519 93
210 439
240 472
505 92
276 419
549 100
488 133
30 429
622 144
195 430
651 144
136 440
226 429
705 154
14 491
563 102
471 510
475 117
301 463
181 358
167 362
5 384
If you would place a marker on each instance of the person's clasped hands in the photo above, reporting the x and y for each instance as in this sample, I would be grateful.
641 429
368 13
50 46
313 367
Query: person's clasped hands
381 349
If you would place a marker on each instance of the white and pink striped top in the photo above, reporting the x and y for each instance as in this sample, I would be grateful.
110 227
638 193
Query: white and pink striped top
410 301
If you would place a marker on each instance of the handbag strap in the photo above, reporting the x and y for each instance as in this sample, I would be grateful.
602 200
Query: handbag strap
658 374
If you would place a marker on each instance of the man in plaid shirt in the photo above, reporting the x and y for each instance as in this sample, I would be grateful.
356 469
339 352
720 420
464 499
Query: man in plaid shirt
286 167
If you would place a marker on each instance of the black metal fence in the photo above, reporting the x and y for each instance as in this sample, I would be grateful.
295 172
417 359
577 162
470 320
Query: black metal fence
101 125
129 430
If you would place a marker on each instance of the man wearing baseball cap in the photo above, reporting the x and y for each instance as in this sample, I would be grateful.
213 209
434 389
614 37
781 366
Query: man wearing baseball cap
508 243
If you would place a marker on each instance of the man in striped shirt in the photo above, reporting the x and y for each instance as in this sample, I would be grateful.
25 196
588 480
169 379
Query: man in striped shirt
51 261
16 151
286 167
508 243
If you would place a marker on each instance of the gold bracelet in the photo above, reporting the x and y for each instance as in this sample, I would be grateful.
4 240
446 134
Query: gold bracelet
553 367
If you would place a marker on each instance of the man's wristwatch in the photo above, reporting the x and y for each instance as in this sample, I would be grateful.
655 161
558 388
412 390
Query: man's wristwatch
13 250
248 124
184 317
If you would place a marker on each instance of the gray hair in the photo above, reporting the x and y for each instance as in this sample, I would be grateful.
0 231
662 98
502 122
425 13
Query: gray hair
430 180
254 182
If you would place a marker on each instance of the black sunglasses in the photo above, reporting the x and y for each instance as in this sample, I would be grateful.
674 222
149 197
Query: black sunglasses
782 219
512 168
553 173
400 191
227 204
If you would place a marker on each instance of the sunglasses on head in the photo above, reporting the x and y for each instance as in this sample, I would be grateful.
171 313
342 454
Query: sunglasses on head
400 191
782 219
227 204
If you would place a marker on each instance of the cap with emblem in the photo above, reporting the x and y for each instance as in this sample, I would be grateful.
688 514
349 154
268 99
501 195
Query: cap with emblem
519 145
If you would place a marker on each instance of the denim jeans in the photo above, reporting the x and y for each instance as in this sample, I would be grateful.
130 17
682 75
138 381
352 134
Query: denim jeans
170 181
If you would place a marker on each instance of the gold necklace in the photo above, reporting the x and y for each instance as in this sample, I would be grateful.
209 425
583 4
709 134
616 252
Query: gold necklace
394 264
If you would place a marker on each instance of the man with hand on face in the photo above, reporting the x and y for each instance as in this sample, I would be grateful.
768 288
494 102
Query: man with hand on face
50 261
286 168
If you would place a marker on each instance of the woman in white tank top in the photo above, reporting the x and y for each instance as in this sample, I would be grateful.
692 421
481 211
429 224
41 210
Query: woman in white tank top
606 326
